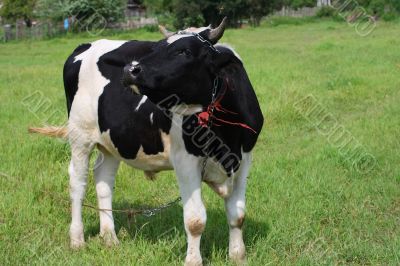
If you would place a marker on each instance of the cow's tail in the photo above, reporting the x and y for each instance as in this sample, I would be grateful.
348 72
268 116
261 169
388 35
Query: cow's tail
50 131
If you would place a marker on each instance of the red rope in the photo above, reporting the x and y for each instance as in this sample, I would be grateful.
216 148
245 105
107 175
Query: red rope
204 116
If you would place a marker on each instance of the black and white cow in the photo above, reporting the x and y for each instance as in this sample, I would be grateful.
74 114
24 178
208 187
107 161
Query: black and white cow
146 103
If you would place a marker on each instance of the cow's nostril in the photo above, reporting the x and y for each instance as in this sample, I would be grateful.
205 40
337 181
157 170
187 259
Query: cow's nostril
135 70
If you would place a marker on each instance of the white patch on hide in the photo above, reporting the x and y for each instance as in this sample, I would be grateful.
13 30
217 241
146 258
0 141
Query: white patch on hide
142 101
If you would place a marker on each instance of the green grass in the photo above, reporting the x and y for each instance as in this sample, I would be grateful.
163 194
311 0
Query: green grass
307 205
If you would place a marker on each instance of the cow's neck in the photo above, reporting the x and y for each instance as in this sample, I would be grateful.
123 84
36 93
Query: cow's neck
228 107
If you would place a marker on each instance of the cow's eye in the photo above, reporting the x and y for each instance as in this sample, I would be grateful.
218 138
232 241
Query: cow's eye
184 52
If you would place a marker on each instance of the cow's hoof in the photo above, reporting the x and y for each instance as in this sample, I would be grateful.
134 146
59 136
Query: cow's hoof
238 257
76 236
77 244
238 261
110 238
193 262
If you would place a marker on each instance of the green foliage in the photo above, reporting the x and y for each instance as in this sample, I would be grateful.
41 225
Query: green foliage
377 6
395 4
18 9
159 6
163 9
380 8
390 16
111 10
326 11
301 3
256 9
50 9
187 13
278 4
82 10
235 10
151 28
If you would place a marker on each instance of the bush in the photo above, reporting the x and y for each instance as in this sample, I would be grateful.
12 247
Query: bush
50 9
167 20
326 11
188 14
201 12
110 10
12 10
390 16
151 28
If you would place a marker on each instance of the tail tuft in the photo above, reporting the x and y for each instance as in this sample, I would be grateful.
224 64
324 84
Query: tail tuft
51 131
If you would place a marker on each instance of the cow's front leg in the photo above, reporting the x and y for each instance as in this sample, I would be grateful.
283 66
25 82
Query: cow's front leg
235 211
194 212
106 168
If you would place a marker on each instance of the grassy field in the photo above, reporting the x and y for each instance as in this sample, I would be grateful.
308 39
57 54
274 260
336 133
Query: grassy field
308 202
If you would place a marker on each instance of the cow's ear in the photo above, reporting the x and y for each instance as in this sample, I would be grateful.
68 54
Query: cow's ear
225 58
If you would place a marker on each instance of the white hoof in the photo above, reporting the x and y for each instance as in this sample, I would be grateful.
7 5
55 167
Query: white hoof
193 261
110 238
237 254
76 237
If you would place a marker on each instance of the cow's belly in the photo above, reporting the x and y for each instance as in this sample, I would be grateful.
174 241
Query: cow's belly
146 162
152 163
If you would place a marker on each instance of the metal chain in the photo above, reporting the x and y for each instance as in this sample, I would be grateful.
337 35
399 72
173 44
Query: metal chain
154 211
145 212
183 32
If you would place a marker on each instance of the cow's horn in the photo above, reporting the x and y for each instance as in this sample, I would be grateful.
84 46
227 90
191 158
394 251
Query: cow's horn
216 34
165 32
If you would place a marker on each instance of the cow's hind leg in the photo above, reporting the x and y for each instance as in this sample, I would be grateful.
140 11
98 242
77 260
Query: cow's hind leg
235 212
81 148
105 169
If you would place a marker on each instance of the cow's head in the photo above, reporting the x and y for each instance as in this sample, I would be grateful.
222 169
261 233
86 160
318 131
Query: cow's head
184 65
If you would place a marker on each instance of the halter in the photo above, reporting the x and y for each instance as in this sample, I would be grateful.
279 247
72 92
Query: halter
198 36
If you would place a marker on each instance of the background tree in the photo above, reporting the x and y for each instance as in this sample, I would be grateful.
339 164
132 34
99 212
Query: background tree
235 10
395 4
13 10
257 9
187 13
84 14
302 3
386 9
159 6
111 10
50 9
204 12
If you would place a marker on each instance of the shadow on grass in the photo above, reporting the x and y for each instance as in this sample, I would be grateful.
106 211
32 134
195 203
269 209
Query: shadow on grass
168 225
